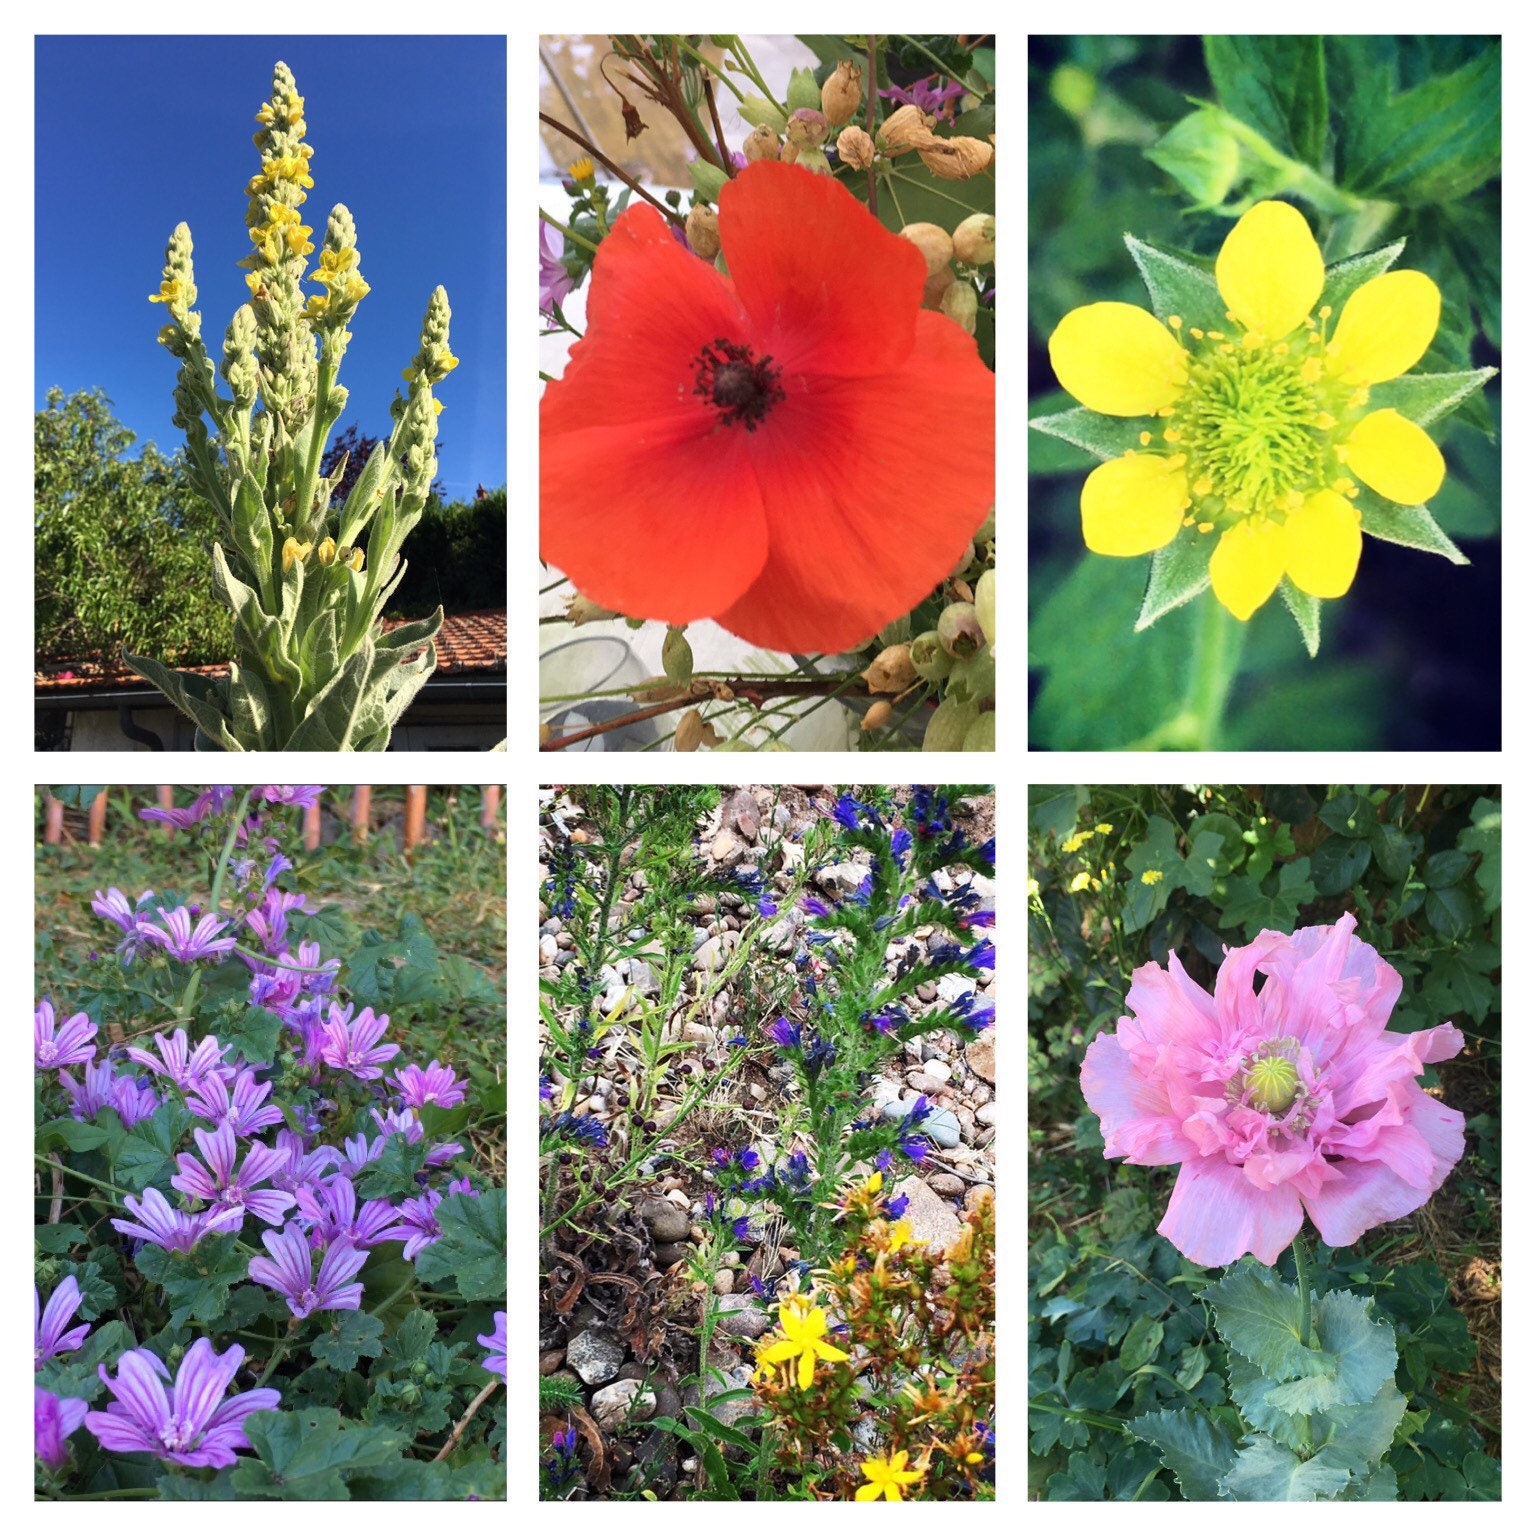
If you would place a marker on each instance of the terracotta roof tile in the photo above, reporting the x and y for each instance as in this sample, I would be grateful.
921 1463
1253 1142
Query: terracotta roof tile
468 643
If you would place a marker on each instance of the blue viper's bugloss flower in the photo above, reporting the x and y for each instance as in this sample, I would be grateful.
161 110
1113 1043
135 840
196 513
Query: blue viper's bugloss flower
814 907
897 1208
783 1033
195 1426
580 1128
853 814
901 844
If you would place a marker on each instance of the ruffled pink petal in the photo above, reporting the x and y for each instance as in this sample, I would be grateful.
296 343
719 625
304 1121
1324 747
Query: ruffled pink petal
1134 1112
1170 1008
1366 1194
1242 1012
1216 1215
1365 1076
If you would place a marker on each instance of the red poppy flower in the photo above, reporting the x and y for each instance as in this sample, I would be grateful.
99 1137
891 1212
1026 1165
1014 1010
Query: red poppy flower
797 451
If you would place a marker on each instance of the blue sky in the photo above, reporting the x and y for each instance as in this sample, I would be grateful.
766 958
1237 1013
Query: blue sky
136 134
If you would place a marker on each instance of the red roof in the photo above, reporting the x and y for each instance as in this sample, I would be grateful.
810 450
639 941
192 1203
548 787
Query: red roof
468 643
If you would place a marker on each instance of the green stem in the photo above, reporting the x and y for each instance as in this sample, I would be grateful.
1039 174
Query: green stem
1218 646
739 50
274 1362
304 506
189 996
85 1178
389 1301
569 233
1304 1314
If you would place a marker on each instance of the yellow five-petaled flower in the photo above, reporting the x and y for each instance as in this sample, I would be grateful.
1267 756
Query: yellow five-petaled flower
804 1331
887 1477
1258 433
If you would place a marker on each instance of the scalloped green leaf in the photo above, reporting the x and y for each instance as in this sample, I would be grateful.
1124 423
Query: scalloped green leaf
473 1247
1360 1434
1270 1472
350 1336
305 1454
1250 1389
1197 1450
1257 1314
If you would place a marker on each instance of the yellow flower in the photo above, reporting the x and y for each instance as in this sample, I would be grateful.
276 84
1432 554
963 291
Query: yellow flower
326 554
1075 842
887 1477
1031 888
804 1339
170 292
1080 881
293 550
582 170
1104 829
1151 876
1260 433
898 1236
356 562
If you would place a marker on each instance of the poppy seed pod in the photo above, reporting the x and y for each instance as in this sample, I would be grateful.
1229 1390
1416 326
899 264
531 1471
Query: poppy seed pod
582 610
855 148
937 248
761 144
904 129
960 304
877 716
807 129
841 92
891 671
936 287
708 180
981 735
976 240
960 630
955 159
703 230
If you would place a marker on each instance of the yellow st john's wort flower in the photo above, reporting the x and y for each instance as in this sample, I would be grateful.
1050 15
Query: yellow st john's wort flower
1258 433
804 1339
887 1477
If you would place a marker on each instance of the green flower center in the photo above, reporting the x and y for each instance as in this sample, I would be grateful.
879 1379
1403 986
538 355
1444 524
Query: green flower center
1271 1083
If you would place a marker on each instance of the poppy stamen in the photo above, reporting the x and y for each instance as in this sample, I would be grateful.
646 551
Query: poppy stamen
742 388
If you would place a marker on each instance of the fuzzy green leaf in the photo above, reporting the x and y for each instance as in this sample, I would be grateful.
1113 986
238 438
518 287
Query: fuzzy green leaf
1276 85
305 1454
196 1284
1343 277
146 1152
350 1336
1105 437
1427 397
1177 286
1180 572
1307 611
1412 527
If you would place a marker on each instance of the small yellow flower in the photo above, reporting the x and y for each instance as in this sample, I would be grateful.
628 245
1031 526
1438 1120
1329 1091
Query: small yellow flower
887 1477
1104 829
1151 876
356 562
898 1236
1257 433
582 170
804 1339
326 554
1080 881
1075 842
170 292
292 551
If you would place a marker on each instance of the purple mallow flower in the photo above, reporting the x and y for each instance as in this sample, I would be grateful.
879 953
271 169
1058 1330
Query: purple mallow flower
304 795
927 95
417 1216
213 800
156 1221
496 1361
182 941
241 1103
225 1188
88 1098
54 1420
61 1046
186 1071
195 1426
352 1045
431 1084
133 1100
115 908
291 1273
333 1214
50 1337
554 280
300 1168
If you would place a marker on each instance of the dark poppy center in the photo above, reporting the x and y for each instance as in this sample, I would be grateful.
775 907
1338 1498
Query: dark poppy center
741 387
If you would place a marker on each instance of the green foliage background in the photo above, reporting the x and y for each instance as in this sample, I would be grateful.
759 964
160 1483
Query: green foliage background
1375 139
1114 1329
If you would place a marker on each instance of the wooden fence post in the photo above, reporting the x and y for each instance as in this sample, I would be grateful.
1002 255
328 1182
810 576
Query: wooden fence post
96 821
362 809
53 819
312 827
165 796
490 803
415 814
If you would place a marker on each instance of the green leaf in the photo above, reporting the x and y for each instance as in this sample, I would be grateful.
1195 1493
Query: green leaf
1271 903
393 1172
1198 1451
59 1238
1177 285
1452 912
1484 839
1446 868
1278 86
1105 437
1141 1343
1082 1482
1348 814
1426 398
473 1247
1338 862
1268 1471
1204 862
196 1284
410 1342
75 1375
1457 981
1361 1354
1307 612
76 797
1431 144
1251 1393
1156 854
1343 277
1360 1434
1230 849
201 699
333 713
145 1155
1257 1314
306 1453
1180 571
350 1336
1392 850
1483 1475
724 1432
77 1135
255 1037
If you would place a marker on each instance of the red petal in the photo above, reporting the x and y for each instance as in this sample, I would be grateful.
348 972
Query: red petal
829 288
651 308
872 489
652 519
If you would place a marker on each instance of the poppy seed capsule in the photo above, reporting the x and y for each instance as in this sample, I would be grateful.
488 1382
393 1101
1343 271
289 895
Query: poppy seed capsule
986 605
761 144
704 231
677 657
877 716
582 610
976 240
935 244
762 113
856 149
936 287
841 92
955 159
948 726
960 629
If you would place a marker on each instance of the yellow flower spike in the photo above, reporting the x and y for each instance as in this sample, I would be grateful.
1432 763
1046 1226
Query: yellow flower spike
1270 270
887 1476
1396 457
1133 505
1322 545
1116 359
1386 327
1246 566
804 1339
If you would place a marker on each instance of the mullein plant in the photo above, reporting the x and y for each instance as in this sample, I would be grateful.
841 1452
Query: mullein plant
306 581
850 1013
878 1380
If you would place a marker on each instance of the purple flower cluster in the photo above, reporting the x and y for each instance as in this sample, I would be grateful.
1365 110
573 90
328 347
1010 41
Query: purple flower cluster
927 95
